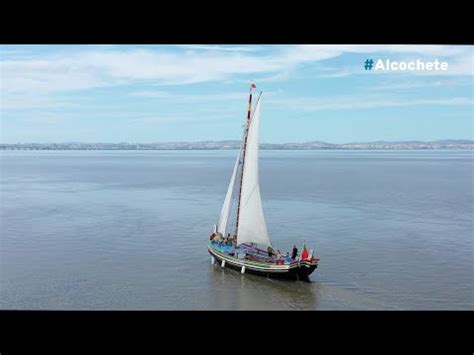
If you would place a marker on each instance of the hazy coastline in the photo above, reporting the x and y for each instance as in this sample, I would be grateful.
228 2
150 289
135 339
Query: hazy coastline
235 144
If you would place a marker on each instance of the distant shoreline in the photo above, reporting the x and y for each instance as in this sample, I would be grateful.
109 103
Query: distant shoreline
449 144
207 150
231 149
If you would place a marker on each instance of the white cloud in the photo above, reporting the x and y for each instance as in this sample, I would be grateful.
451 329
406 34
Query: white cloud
459 58
21 101
361 102
153 94
412 84
94 67
238 96
248 48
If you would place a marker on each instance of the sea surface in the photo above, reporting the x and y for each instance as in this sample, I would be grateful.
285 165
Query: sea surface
129 230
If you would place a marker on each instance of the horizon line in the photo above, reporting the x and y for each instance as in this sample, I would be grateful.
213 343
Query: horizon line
236 140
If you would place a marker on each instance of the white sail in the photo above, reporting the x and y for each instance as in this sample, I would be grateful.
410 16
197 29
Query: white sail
222 226
251 225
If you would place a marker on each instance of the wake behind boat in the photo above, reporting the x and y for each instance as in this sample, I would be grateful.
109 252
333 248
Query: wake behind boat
249 248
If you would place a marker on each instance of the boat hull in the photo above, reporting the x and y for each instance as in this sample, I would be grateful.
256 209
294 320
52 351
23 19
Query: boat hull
293 271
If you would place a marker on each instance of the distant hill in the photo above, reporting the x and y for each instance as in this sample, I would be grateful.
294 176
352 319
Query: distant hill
235 144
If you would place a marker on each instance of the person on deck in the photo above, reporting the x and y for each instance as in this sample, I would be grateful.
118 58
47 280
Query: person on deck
270 252
294 253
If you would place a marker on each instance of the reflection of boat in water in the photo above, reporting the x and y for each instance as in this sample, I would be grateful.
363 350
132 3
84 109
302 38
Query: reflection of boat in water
244 250
232 290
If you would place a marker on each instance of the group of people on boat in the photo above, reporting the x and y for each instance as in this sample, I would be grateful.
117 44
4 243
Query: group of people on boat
230 241
273 255
280 258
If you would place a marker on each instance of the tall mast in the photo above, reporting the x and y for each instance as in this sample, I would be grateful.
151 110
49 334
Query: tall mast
247 123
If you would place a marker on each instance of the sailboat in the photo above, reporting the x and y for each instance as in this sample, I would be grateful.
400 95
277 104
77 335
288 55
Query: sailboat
240 239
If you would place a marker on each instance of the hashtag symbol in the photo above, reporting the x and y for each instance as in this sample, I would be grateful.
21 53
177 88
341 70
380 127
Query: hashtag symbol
368 64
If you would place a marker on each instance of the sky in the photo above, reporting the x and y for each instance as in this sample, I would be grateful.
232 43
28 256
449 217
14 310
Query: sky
169 93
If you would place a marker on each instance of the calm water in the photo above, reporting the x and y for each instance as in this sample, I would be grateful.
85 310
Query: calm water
128 230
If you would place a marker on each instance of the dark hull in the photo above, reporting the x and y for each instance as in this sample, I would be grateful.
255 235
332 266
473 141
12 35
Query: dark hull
295 271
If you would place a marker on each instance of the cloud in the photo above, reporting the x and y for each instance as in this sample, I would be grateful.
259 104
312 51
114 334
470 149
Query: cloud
36 80
94 67
226 97
412 84
248 48
26 101
153 94
91 69
362 102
